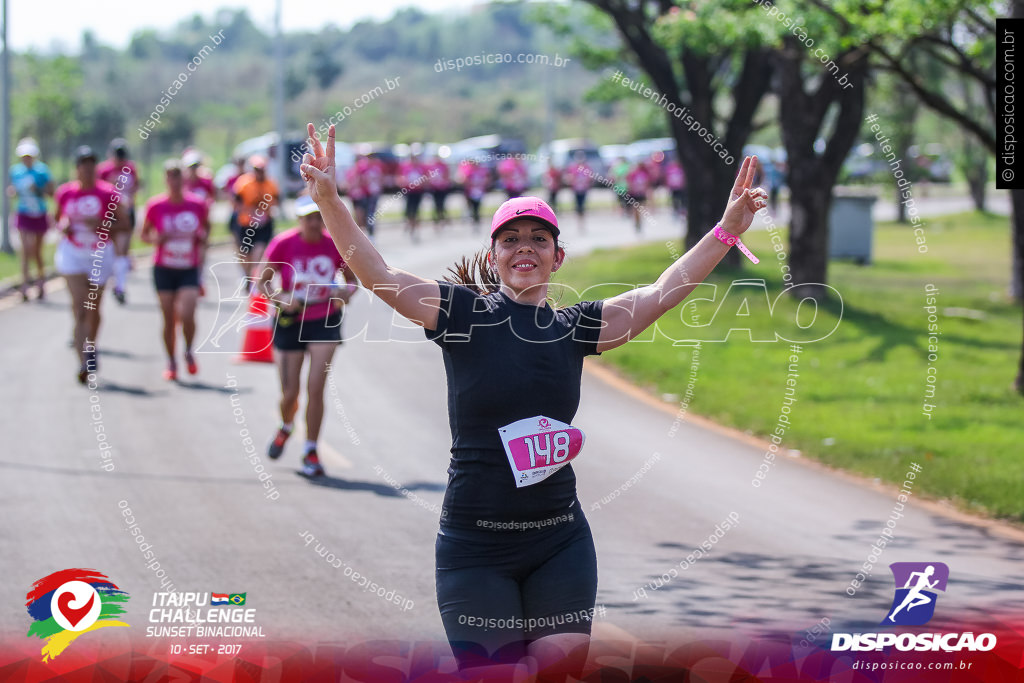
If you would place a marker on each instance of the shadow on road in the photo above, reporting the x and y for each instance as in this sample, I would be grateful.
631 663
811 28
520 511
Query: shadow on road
203 386
107 385
106 351
380 489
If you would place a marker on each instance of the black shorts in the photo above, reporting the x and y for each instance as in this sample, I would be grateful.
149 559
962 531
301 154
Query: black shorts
250 235
499 590
412 204
172 279
293 334
581 202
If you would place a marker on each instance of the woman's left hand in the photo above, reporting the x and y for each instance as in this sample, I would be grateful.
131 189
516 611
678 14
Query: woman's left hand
744 201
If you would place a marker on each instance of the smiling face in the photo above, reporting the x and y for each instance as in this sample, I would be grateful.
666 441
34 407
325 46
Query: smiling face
525 254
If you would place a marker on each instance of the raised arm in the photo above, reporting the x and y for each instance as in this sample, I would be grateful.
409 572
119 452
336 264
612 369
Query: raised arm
414 297
630 313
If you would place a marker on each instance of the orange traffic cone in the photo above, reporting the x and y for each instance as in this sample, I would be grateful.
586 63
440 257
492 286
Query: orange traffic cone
258 338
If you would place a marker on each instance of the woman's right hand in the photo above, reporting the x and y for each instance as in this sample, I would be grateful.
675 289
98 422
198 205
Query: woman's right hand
318 167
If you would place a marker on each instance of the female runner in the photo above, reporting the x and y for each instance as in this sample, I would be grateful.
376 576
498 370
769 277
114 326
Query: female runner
89 213
516 570
179 226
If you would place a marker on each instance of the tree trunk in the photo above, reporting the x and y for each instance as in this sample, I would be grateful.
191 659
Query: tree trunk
803 117
808 235
1017 200
976 183
709 179
709 183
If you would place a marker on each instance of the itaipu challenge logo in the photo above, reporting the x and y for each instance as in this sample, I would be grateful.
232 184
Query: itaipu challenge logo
70 603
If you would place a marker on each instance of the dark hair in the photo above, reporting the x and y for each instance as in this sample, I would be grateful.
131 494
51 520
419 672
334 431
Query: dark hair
476 273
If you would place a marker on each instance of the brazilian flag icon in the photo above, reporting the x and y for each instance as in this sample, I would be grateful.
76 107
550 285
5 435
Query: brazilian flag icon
237 598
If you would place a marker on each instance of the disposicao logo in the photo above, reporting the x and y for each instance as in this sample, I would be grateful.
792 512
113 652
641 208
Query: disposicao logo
919 581
69 603
914 605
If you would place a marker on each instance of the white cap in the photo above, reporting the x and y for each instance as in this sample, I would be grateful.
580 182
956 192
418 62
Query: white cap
305 205
192 157
27 148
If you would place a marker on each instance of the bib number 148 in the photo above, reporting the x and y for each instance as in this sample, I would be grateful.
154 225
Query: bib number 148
553 451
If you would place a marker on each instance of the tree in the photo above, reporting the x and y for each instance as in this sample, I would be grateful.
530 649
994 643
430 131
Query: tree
324 67
703 56
821 107
51 102
694 59
896 108
961 34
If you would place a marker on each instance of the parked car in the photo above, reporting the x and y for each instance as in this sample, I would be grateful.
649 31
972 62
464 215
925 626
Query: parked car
561 153
488 150
612 153
295 146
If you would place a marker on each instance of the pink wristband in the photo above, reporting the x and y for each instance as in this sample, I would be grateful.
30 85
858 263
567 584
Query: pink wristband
729 239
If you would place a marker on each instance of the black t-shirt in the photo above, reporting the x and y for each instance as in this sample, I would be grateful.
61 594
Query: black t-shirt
506 361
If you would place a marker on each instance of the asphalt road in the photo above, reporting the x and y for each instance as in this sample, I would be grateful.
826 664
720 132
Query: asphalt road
179 464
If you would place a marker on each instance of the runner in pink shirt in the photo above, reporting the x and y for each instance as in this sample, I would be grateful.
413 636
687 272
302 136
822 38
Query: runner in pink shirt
197 178
412 178
513 175
553 183
178 224
440 185
356 192
474 178
638 184
371 176
89 213
120 171
580 178
308 322
675 180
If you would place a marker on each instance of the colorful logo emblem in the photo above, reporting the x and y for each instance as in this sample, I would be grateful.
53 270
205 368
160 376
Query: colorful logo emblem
916 583
68 603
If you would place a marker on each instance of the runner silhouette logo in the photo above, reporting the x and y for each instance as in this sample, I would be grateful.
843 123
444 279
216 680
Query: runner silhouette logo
916 586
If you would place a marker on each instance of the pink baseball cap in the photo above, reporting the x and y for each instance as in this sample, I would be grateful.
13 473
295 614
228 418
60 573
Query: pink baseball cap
531 208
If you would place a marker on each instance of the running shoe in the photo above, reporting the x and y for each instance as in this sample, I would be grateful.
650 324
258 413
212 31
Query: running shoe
119 295
171 373
311 466
190 361
276 447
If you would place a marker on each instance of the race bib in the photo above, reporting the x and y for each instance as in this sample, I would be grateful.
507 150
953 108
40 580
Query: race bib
537 447
178 252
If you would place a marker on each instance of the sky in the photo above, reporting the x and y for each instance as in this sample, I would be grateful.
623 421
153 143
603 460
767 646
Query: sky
34 23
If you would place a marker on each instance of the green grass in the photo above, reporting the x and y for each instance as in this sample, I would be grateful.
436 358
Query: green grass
860 391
